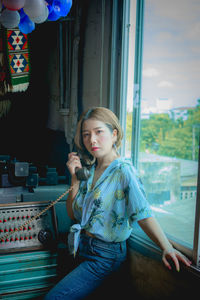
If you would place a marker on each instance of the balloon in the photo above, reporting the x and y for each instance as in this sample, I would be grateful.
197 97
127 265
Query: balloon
59 8
22 13
26 25
49 1
10 18
50 8
62 7
53 16
34 8
14 4
42 18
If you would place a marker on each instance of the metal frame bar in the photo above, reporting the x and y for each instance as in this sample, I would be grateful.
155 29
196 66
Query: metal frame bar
61 75
124 68
65 54
113 58
102 50
119 61
137 82
196 245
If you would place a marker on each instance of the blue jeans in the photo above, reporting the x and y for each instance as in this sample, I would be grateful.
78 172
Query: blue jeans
98 260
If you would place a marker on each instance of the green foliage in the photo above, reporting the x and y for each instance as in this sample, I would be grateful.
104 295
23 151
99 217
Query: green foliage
162 135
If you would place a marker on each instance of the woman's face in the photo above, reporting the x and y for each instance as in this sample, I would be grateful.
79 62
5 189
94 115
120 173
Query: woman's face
98 138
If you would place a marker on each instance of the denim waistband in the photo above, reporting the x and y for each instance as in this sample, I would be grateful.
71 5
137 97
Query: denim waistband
94 241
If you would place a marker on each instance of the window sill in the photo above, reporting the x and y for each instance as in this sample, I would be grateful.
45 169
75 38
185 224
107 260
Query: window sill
142 244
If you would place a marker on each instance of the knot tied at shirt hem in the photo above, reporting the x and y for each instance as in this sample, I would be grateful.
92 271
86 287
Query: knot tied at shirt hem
74 238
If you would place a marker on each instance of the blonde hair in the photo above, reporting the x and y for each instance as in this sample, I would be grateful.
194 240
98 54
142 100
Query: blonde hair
104 115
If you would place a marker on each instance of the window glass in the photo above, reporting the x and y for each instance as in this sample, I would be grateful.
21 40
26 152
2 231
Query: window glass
170 113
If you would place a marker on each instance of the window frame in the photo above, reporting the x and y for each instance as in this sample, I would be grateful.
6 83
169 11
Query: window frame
196 243
137 237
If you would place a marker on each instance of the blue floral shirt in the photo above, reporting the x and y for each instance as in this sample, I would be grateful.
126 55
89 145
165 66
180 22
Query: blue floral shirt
109 209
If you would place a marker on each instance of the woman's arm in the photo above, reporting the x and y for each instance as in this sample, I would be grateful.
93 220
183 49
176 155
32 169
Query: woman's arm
72 163
70 198
152 228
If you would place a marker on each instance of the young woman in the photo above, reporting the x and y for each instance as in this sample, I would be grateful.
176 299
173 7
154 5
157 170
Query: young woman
105 207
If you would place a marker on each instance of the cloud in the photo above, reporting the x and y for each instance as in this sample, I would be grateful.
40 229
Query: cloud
165 36
194 31
171 60
150 72
196 49
165 83
178 10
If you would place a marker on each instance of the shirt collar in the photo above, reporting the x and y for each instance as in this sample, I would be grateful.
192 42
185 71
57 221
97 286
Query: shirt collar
115 163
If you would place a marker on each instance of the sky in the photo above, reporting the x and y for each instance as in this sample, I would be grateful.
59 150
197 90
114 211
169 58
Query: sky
171 52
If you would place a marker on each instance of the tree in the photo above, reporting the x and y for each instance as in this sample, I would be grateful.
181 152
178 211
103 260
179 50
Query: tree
165 136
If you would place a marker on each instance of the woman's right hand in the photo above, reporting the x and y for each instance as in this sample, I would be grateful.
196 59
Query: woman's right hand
73 163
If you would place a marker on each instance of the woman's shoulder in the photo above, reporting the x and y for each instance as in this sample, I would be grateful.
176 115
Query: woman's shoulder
130 175
126 164
126 168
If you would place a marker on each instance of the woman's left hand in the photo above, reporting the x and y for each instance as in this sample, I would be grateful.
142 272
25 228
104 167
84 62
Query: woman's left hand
175 256
152 228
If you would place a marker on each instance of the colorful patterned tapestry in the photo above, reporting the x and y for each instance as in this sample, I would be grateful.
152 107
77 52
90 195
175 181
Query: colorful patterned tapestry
14 65
18 59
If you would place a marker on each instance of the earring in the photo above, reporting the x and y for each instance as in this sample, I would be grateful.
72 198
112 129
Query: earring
115 147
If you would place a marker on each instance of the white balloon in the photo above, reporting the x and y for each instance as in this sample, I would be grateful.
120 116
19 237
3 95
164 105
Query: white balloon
34 8
10 18
42 18
14 4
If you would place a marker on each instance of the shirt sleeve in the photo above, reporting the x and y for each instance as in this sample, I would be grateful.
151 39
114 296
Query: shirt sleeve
137 205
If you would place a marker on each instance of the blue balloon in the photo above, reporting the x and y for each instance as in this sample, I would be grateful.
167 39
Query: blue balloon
62 7
26 25
58 8
50 8
22 13
49 2
53 16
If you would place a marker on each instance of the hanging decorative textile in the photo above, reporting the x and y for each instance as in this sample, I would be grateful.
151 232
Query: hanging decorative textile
18 59
14 65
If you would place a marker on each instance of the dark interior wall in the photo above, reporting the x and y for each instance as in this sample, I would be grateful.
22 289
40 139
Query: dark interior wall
33 129
97 54
51 146
24 133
